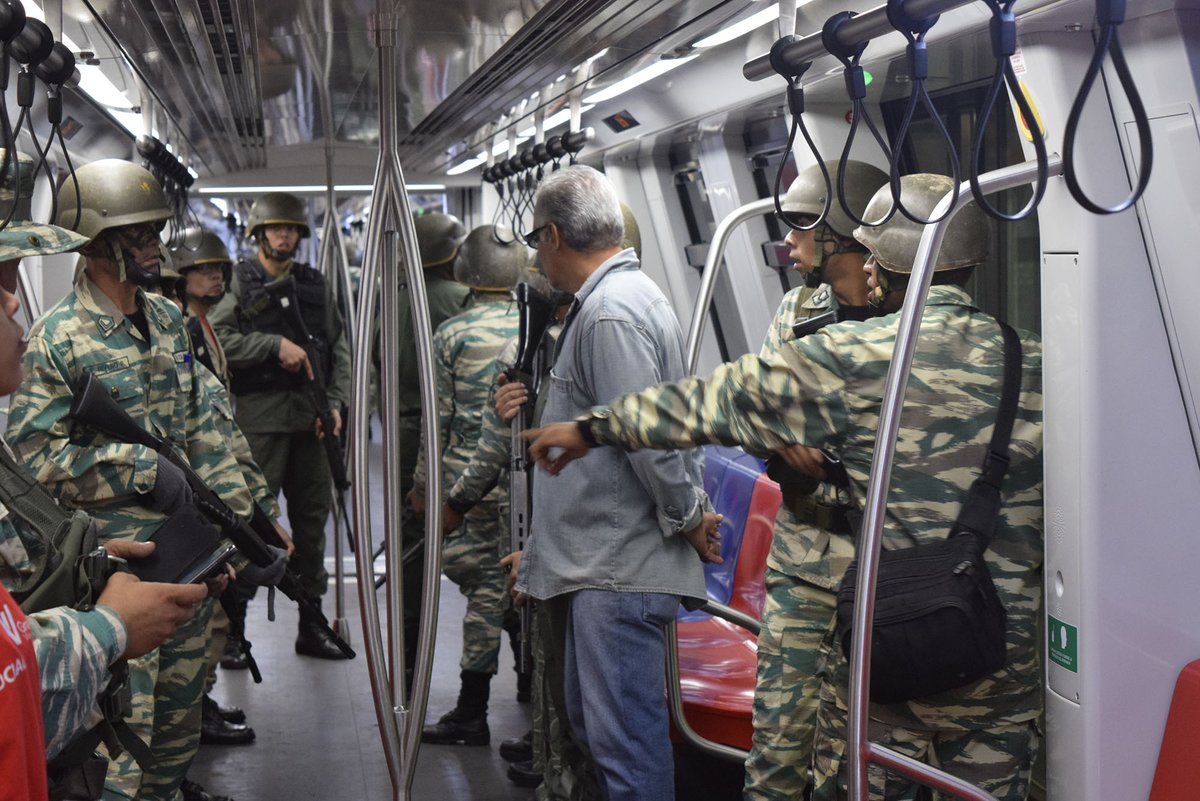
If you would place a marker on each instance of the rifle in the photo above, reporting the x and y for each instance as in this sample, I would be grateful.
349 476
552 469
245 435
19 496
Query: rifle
93 406
536 313
282 293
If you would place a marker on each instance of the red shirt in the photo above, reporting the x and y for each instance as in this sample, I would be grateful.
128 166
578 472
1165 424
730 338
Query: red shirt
22 752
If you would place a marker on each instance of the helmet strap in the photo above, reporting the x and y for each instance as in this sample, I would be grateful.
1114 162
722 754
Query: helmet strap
823 235
128 269
275 254
879 295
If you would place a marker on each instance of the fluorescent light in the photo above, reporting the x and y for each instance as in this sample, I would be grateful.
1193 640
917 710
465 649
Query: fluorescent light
308 189
221 205
469 164
658 68
740 28
553 121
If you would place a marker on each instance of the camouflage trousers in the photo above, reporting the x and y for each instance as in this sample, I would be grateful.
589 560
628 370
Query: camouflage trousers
166 684
997 760
568 773
471 559
796 630
295 463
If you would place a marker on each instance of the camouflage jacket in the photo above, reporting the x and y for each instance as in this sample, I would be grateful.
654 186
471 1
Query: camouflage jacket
281 410
798 547
828 387
465 349
74 649
154 382
446 299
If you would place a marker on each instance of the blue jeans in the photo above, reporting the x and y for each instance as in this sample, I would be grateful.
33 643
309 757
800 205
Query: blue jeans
616 688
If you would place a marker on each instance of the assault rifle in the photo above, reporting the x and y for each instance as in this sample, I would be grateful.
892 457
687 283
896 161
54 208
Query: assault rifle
536 313
93 406
282 293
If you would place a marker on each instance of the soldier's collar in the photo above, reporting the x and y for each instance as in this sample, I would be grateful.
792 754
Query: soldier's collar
101 307
155 310
949 295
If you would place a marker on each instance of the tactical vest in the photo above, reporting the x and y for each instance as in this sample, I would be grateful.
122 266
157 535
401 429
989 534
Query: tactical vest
258 313
195 330
70 570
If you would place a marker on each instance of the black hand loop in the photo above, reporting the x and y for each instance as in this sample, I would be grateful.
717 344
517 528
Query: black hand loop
779 64
1109 15
795 96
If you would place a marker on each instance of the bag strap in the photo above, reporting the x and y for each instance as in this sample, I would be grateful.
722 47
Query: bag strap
982 504
28 499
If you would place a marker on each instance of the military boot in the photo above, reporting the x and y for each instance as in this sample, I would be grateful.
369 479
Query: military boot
466 724
192 791
524 774
313 639
216 730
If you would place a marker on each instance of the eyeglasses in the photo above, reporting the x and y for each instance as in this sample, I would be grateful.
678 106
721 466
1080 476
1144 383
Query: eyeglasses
532 239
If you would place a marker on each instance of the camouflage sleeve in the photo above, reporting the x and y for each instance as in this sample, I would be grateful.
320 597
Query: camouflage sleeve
492 452
241 349
209 454
39 431
619 356
761 404
780 324
74 650
339 387
443 359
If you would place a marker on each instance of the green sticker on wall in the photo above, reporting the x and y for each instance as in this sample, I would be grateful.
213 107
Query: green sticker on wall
1064 644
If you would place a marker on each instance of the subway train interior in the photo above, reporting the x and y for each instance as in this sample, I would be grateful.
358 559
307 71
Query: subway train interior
373 111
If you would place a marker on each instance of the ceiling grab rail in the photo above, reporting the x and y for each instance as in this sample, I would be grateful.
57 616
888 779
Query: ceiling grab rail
712 267
859 749
400 719
1109 15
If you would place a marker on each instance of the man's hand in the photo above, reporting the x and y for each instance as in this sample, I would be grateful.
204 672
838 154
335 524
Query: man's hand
286 538
292 357
129 549
803 459
450 519
417 501
151 610
565 436
705 538
512 566
220 582
337 425
510 397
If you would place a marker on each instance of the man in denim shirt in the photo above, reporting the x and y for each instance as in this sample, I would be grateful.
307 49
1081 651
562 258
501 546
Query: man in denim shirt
616 537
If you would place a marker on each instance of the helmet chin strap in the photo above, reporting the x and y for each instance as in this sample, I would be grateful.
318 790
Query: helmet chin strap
879 295
129 270
211 300
275 254
821 236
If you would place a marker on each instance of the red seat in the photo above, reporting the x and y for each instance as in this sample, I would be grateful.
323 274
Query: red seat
1177 776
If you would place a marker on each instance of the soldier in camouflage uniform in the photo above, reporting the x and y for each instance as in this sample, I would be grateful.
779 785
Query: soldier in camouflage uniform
203 261
439 237
826 388
267 368
135 344
800 590
465 346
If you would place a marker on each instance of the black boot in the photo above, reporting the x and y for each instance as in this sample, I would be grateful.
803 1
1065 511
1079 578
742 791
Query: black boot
194 792
313 639
524 774
466 724
233 658
231 714
215 730
518 749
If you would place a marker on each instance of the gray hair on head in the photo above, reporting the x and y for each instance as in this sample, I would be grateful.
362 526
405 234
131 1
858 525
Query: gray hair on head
582 203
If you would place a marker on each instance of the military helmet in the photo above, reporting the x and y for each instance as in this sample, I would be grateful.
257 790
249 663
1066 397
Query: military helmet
806 195
894 244
491 258
633 235
111 193
22 237
199 247
438 237
537 279
277 208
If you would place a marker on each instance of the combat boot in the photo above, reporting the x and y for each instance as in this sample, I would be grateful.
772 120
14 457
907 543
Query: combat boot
215 730
466 724
518 749
192 791
314 640
233 657
524 774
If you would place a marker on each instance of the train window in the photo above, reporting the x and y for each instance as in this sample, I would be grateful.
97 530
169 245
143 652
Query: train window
766 147
1008 285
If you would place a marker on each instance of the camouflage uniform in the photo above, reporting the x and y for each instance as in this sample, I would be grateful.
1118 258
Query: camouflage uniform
74 649
465 349
797 613
827 388
156 384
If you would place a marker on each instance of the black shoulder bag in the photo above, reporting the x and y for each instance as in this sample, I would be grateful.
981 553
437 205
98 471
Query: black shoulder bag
939 623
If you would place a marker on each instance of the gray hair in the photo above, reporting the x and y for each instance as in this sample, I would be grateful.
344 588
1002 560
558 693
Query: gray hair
584 206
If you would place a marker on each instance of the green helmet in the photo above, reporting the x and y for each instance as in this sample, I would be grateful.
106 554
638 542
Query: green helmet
894 244
439 237
633 235
806 195
277 208
491 258
22 237
199 247
111 193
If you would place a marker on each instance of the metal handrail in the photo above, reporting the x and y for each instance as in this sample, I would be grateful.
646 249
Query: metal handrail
859 749
728 613
400 719
712 266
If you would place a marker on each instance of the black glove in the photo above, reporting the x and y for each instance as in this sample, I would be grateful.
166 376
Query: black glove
170 490
267 575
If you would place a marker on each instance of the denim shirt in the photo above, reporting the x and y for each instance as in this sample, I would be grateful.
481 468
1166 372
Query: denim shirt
614 520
